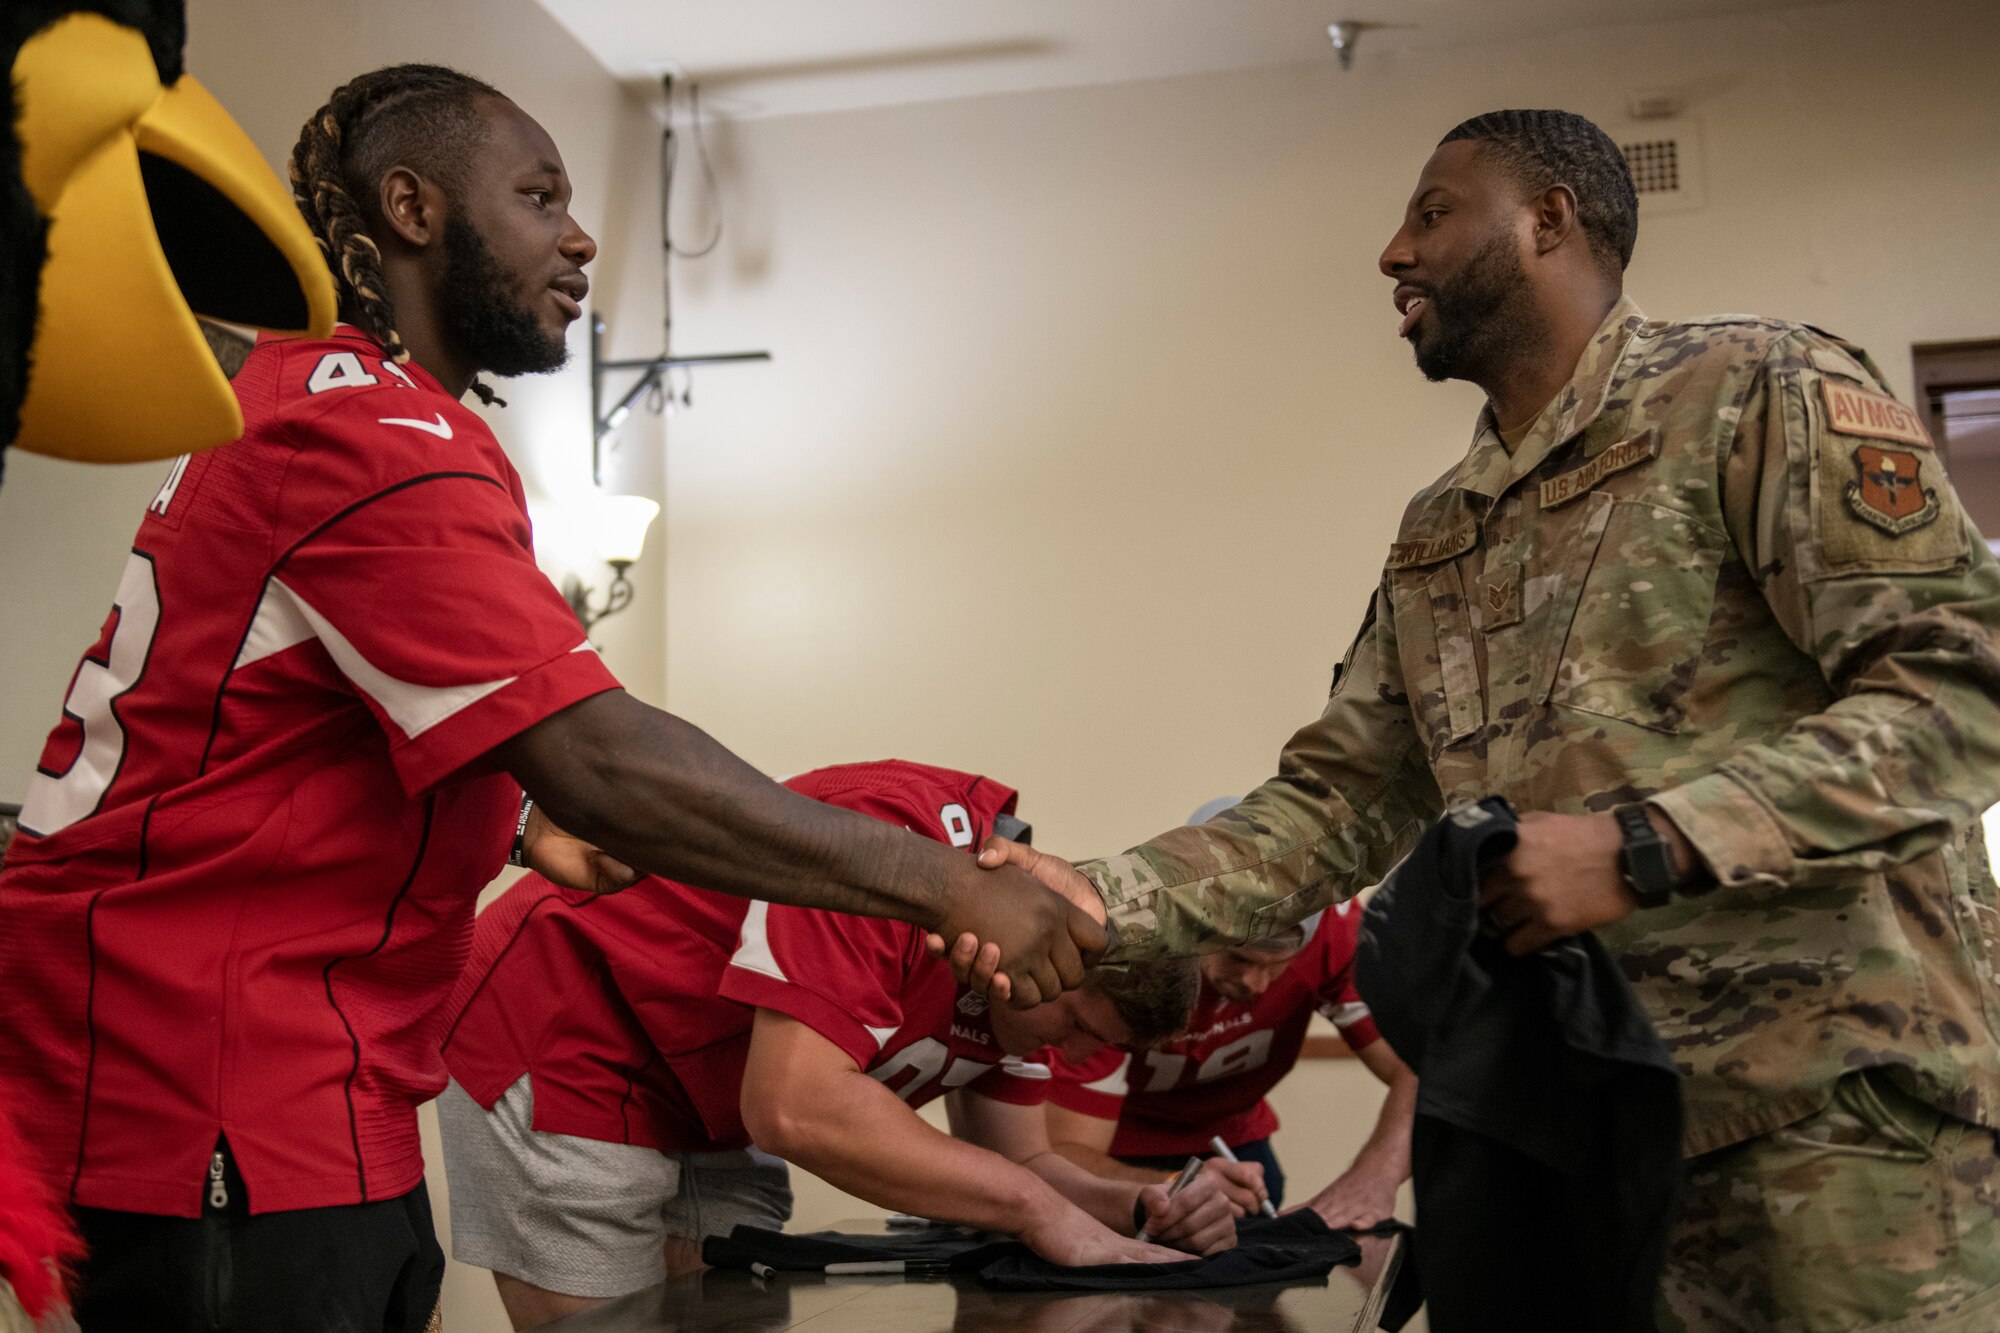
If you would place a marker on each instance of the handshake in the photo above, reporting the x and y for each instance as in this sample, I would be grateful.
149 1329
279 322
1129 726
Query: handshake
1020 926
1023 927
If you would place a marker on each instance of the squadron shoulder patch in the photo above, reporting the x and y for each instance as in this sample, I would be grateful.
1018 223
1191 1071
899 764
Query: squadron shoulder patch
1881 502
1889 492
1853 410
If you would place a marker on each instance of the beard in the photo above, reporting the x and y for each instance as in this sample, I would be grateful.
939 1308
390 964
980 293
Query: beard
502 335
1483 319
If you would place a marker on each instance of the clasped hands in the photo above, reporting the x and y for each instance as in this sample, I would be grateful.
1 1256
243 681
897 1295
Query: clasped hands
975 961
1562 878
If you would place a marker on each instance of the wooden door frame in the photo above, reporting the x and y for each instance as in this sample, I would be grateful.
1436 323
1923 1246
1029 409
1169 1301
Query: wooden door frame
1940 368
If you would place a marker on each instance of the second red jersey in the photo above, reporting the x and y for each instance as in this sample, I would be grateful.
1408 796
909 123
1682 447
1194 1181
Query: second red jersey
1212 1081
631 1013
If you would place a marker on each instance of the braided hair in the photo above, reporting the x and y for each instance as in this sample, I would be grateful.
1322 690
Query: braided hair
421 116
1544 148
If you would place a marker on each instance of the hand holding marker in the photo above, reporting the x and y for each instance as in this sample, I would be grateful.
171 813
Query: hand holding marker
1222 1151
1188 1173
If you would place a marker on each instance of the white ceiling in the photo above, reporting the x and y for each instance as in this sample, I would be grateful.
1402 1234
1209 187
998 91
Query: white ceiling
787 57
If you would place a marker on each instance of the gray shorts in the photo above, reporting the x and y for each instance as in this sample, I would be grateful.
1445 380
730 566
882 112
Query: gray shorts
583 1217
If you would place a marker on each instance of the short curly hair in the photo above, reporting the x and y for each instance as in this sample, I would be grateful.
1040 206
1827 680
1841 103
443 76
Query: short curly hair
1544 148
1155 998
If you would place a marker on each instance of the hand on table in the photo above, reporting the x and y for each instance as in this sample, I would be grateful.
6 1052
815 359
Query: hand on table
976 956
1357 1199
1030 944
1069 1236
565 859
1562 878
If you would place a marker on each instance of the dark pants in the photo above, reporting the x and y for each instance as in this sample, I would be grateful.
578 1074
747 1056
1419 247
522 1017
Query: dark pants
1257 1150
358 1268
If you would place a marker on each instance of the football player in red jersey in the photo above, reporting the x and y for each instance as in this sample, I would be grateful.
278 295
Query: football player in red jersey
247 862
1134 1114
613 1059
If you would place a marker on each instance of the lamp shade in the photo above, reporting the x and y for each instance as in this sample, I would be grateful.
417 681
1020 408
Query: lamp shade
620 523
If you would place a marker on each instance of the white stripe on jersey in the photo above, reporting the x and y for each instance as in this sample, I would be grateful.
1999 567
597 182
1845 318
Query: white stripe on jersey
753 946
1116 1083
1344 1016
278 626
753 954
284 619
1020 1068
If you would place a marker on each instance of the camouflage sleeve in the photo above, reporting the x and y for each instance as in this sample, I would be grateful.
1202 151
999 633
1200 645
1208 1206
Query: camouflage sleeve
1352 793
1840 508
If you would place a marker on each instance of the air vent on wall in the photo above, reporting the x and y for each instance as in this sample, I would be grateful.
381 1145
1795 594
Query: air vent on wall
1665 158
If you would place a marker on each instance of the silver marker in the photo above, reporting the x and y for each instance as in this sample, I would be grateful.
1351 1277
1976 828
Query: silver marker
1181 1181
1222 1151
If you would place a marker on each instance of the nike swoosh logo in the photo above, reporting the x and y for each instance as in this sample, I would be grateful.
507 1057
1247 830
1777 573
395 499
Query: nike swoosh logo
440 428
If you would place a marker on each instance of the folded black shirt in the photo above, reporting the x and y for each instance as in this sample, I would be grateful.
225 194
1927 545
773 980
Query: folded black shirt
1547 1144
811 1251
1282 1249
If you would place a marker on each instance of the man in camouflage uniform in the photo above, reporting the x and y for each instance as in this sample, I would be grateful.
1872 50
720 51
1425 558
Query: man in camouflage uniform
1714 568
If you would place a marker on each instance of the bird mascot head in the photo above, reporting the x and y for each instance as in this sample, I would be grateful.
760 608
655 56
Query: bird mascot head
130 203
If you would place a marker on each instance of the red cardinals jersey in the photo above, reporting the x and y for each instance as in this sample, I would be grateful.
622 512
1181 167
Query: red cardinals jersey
631 1012
1173 1099
247 862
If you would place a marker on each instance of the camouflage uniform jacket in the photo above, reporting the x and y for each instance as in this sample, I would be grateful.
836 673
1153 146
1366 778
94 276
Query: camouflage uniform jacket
1724 572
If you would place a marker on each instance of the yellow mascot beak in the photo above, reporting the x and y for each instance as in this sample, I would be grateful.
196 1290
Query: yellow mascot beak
159 208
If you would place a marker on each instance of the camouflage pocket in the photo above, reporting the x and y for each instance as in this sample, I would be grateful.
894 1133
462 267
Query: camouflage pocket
1434 641
1869 1116
1645 575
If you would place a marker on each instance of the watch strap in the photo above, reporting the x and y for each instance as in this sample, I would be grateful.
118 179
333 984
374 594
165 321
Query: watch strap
1646 861
519 855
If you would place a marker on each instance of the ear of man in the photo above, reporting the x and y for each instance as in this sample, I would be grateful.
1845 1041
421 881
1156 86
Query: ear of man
412 208
1557 226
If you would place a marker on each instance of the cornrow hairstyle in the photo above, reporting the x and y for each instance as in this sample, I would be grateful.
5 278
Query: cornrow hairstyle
1544 148
419 116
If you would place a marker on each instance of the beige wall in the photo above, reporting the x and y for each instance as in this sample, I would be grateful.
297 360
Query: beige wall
1087 427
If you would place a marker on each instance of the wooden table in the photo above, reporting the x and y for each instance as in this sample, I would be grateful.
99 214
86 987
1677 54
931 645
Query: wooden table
1351 1298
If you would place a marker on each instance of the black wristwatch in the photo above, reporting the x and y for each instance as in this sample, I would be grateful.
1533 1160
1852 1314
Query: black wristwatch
1647 862
519 856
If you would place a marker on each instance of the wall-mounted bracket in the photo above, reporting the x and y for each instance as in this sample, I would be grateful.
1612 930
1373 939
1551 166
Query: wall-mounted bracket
650 370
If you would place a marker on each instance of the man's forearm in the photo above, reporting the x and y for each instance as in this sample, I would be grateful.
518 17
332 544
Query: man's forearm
1109 1167
1108 1200
861 1138
668 799
1387 1150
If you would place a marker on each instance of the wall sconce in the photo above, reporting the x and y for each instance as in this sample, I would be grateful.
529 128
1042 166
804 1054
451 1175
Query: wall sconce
618 524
